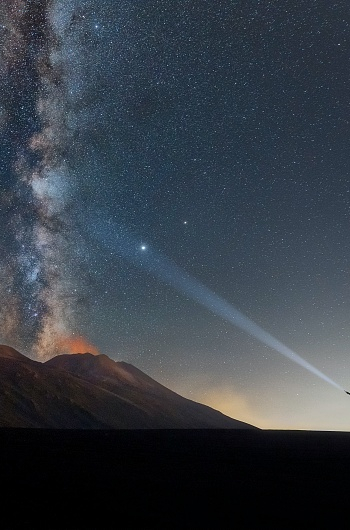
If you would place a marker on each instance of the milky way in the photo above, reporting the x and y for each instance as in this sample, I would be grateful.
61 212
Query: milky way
38 286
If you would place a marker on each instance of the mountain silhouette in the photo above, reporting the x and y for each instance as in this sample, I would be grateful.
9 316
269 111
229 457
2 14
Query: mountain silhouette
85 391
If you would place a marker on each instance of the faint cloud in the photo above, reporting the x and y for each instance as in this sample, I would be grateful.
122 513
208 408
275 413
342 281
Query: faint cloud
219 396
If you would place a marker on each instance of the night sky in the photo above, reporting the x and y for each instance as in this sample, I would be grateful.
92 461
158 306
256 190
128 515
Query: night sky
202 140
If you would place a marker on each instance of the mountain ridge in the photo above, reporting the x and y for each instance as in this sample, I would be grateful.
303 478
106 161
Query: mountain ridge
85 391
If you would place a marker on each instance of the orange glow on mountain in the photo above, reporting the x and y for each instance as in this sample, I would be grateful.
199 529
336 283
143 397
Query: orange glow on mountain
77 345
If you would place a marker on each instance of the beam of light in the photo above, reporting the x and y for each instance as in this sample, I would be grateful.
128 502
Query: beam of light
121 243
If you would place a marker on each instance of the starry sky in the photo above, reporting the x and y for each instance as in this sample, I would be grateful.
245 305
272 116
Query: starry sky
207 140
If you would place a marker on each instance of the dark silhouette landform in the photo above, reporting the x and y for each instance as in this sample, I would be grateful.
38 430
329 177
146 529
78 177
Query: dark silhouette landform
85 391
87 443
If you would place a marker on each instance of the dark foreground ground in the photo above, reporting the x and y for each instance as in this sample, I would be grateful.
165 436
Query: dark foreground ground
174 479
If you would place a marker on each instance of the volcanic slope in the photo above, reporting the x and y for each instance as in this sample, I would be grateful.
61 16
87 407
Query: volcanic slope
85 391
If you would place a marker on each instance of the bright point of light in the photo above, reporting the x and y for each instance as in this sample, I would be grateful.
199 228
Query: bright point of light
168 272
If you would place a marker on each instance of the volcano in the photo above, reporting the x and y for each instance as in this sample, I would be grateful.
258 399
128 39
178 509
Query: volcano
85 391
